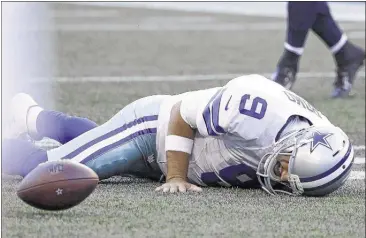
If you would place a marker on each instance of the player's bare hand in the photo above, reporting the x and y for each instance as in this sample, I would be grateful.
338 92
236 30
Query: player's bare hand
178 185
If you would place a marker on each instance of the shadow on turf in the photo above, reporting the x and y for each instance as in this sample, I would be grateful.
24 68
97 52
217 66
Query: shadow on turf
11 178
33 214
125 180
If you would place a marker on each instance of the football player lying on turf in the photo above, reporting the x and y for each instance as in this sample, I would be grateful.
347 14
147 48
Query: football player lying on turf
252 132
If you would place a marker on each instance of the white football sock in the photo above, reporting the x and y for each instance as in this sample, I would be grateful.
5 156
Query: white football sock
32 116
335 48
296 50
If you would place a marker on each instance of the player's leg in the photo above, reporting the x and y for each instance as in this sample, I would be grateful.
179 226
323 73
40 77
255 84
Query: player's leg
301 16
61 127
348 57
30 118
126 144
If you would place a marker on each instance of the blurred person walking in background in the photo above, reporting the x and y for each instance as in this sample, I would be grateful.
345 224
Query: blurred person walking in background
303 16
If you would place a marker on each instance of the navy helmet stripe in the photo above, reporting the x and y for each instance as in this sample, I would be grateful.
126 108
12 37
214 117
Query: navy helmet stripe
346 171
110 134
334 168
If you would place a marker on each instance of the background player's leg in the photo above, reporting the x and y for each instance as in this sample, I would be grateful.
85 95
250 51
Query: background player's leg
348 56
301 16
327 29
19 157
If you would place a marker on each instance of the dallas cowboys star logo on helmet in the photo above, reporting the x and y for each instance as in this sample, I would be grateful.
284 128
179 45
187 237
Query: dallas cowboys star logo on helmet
320 139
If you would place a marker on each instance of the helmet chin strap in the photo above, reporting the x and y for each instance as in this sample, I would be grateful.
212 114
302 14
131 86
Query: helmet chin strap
285 192
295 184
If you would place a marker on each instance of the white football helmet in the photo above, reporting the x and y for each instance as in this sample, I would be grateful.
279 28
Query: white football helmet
320 162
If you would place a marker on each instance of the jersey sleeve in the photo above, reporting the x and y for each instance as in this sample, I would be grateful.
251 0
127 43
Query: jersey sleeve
210 111
192 103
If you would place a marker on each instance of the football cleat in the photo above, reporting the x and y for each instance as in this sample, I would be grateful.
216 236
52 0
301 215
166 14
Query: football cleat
285 76
286 69
349 62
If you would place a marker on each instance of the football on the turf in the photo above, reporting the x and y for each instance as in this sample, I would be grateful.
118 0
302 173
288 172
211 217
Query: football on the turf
57 185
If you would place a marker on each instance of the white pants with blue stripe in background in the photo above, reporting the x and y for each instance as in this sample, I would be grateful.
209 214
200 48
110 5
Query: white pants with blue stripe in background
124 145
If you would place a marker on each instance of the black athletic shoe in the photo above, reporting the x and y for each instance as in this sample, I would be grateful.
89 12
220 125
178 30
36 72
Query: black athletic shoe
285 76
349 60
286 69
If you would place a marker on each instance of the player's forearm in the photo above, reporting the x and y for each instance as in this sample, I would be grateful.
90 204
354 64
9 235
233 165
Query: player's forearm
178 159
177 165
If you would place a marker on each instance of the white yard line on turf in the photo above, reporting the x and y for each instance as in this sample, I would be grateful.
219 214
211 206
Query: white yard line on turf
359 147
357 175
173 78
145 25
341 11
269 26
359 160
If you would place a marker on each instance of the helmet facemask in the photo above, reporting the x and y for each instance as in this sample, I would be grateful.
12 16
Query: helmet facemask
267 172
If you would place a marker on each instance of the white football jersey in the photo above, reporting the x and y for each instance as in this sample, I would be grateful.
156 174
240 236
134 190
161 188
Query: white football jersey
236 125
